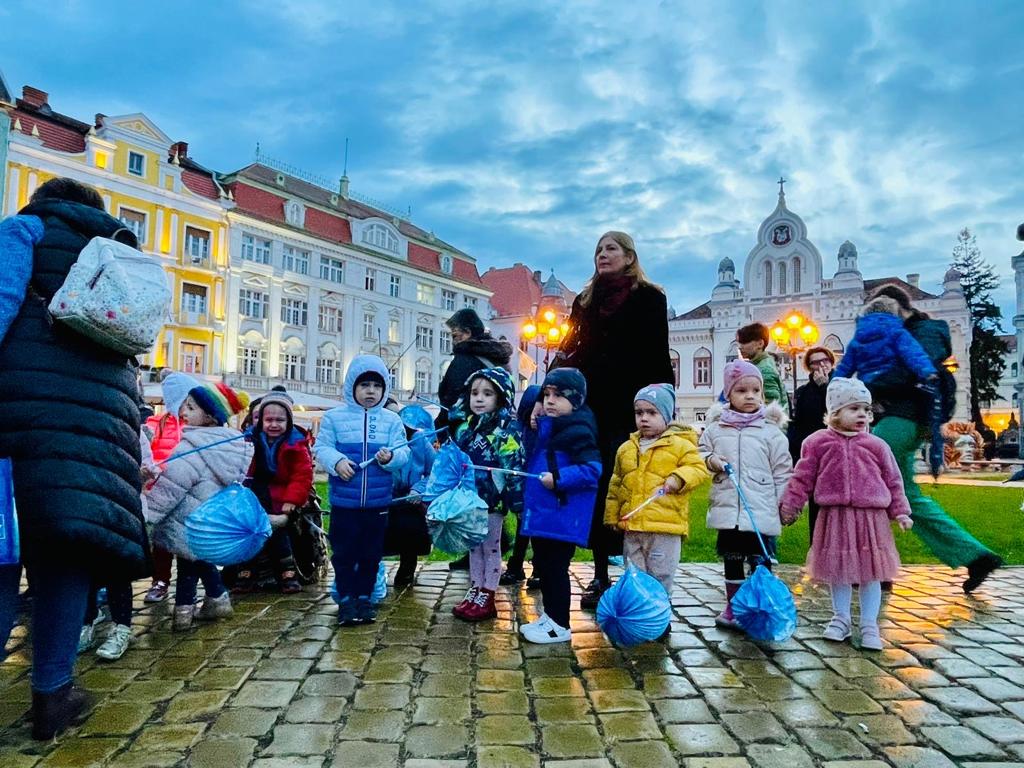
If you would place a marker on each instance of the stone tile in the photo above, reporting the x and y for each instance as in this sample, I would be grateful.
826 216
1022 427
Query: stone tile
716 762
917 712
507 703
1002 730
265 694
549 667
243 721
701 739
195 705
149 691
305 739
917 757
160 738
619 701
382 696
775 756
329 684
557 686
961 700
714 678
960 741
751 727
282 669
504 729
81 753
640 754
445 684
436 740
144 759
116 719
505 757
879 729
832 743
734 700
500 680
316 709
438 711
219 678
374 726
848 702
629 726
292 761
218 753
995 689
667 687
608 679
684 711
564 709
387 672
365 755
571 741
803 712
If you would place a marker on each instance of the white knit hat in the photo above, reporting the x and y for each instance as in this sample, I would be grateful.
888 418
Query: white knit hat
842 392
175 389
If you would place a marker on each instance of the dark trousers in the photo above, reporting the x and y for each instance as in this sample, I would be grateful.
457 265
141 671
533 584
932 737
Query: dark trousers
162 560
278 550
190 573
357 545
119 599
551 562
515 562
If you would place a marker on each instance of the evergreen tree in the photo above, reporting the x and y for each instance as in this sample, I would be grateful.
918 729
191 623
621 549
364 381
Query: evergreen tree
979 279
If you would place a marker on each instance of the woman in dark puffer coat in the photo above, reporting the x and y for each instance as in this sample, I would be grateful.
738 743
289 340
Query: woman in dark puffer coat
71 428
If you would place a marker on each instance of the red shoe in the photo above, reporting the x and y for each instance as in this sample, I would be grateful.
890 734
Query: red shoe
459 611
482 607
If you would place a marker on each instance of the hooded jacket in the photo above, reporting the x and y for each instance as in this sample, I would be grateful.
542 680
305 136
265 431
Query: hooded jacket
880 346
356 433
760 456
639 474
166 430
71 423
291 479
189 481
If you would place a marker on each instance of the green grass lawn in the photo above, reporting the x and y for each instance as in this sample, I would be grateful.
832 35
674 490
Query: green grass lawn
993 515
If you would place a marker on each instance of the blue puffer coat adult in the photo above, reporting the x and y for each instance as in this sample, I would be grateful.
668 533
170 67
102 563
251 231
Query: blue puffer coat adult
881 345
356 433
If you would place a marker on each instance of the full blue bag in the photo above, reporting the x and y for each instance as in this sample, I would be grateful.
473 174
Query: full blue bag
448 471
457 520
228 528
10 553
764 607
635 610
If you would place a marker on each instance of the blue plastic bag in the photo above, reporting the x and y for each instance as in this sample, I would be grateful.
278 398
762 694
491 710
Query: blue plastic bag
764 607
10 553
380 587
457 520
228 528
635 610
448 471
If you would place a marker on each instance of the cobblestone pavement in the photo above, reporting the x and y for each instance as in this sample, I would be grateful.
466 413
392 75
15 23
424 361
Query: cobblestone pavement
279 685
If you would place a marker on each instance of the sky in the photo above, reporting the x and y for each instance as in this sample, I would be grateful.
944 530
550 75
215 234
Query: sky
522 131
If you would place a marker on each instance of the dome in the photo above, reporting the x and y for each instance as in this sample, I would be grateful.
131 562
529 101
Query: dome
952 276
726 265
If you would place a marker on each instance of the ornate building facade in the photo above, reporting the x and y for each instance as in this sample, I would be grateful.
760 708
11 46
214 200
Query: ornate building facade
783 272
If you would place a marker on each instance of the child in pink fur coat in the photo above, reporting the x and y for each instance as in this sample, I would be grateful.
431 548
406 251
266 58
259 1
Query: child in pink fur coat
854 477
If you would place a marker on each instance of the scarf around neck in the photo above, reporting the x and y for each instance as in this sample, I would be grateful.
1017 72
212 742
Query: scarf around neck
742 420
610 293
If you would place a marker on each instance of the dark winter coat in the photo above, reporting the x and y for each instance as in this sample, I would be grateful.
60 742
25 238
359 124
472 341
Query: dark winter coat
468 357
71 423
809 411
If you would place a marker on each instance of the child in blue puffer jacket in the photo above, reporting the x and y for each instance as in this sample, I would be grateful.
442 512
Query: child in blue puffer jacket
882 352
350 434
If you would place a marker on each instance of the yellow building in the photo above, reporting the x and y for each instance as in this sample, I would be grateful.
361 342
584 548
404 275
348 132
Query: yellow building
174 206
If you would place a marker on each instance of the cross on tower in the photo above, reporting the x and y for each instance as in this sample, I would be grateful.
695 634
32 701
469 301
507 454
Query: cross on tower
780 182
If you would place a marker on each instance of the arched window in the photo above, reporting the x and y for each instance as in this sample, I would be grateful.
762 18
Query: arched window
1013 370
702 367
673 356
733 353
767 278
380 236
252 355
797 266
781 268
832 342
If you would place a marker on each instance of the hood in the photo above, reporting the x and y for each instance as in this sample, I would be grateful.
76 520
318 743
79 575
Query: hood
877 325
500 378
773 414
365 364
529 399
487 347
88 221
682 430
227 462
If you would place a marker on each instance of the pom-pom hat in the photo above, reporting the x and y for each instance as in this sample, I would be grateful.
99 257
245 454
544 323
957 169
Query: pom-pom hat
219 400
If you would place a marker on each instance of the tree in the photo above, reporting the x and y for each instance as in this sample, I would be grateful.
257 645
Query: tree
978 279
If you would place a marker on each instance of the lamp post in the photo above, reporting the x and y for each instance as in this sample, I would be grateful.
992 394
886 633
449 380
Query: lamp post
793 334
546 330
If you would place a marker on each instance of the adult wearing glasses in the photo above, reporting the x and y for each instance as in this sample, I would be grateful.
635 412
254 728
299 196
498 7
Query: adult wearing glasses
809 409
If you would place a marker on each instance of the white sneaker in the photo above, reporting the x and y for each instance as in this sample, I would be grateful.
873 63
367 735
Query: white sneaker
85 638
540 620
549 632
116 643
215 608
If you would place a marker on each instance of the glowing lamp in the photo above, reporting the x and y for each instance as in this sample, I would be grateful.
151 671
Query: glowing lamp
549 316
794 320
564 327
809 333
529 330
951 364
554 333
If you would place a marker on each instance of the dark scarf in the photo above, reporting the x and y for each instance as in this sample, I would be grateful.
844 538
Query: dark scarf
610 292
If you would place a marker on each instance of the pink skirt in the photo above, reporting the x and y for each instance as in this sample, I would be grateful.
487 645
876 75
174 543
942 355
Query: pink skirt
852 546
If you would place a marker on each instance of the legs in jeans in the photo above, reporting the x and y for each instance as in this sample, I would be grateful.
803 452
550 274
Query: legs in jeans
57 611
190 573
162 565
357 545
656 554
551 562
485 557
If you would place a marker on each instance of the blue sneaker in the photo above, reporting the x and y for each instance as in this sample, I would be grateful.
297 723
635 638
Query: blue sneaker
366 611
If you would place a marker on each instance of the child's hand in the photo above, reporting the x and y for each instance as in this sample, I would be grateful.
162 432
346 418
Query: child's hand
547 480
789 516
278 521
904 522
672 484
383 456
287 508
715 463
346 469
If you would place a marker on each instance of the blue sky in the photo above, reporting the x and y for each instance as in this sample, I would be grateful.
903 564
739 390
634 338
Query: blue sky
521 132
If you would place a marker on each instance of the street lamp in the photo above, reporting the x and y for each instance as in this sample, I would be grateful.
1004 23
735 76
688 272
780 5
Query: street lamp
793 334
546 330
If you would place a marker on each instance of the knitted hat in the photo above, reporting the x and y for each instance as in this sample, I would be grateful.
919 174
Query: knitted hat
569 383
739 369
220 401
467 319
278 398
175 389
662 397
842 392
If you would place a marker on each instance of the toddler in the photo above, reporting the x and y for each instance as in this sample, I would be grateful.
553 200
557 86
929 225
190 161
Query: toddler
566 456
483 425
853 476
747 435
359 430
187 482
661 455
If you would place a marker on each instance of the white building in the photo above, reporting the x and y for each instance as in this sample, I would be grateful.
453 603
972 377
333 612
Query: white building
784 272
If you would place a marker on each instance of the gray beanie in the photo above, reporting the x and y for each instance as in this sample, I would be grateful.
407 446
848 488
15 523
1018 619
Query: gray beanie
662 397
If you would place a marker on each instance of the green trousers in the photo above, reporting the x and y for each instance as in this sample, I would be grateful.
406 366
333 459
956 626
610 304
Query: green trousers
941 534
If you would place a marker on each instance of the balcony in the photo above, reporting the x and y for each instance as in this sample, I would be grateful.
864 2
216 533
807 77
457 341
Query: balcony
185 317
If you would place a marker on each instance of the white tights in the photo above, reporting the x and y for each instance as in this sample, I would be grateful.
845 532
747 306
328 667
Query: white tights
870 601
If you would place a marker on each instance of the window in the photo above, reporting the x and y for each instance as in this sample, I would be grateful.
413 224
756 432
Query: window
395 289
422 382
193 358
380 236
702 367
424 293
294 312
781 268
136 222
797 266
470 302
673 357
253 304
448 300
332 269
446 264
700 416
136 164
328 370
445 342
767 278
392 380
252 361
293 366
1013 370
370 283
394 334
193 299
329 319
369 323
424 337
255 249
296 260
197 245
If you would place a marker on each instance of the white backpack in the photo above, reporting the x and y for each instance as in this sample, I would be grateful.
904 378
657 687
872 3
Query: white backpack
115 295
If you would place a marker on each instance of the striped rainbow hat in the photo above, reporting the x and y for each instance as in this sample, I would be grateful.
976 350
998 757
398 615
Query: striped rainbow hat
219 400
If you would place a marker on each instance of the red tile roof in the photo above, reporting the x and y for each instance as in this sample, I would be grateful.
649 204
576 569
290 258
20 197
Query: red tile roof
916 294
201 184
697 313
57 131
517 290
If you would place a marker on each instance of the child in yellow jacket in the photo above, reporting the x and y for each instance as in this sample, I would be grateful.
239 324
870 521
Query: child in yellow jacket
661 456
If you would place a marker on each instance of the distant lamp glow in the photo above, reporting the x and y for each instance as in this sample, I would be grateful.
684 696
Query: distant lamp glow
530 330
549 316
554 333
951 364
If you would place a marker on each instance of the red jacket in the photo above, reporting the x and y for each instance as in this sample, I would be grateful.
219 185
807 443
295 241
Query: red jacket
293 480
166 435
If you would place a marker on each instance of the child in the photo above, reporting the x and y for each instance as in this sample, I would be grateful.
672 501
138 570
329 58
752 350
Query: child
747 435
752 341
882 352
569 463
359 430
853 476
187 482
514 573
661 454
166 432
407 535
281 476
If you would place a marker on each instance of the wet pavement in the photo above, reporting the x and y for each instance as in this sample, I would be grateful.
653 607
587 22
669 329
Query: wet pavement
278 684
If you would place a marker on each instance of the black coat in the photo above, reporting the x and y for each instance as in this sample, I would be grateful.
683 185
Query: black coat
908 401
71 422
809 411
469 356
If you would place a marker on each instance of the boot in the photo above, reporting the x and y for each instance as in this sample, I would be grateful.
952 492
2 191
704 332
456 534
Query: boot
53 713
725 619
459 610
979 569
482 607
406 573
183 615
